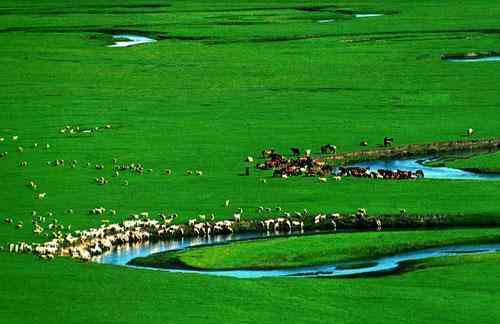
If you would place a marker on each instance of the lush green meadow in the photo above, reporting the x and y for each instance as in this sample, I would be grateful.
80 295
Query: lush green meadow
444 291
227 80
483 163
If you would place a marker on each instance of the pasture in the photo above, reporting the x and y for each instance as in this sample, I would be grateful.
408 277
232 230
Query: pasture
224 81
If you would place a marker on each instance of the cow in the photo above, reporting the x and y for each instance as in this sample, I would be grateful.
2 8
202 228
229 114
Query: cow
388 141
328 149
267 153
295 151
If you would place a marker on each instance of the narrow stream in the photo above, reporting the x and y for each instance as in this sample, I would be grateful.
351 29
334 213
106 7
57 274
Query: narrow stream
132 40
481 59
122 256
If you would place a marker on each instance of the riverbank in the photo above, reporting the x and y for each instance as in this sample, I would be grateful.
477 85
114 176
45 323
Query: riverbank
416 150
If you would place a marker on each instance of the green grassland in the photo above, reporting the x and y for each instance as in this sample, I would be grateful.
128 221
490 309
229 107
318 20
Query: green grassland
315 249
443 291
227 80
487 163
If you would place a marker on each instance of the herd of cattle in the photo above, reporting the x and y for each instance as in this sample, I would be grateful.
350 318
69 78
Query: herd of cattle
306 165
379 174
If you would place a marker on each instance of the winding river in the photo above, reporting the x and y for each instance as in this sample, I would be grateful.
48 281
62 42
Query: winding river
122 256
481 59
132 40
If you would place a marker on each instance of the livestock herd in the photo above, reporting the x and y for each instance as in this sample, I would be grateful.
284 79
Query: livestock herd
306 165
86 244
379 174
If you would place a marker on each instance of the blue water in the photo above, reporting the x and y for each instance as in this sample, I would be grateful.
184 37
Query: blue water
132 40
429 172
482 59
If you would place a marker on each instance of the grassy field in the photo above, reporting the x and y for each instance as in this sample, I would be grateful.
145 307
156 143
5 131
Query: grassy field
315 249
227 80
441 292
488 163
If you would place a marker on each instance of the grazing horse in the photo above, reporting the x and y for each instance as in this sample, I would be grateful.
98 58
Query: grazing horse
388 141
295 151
328 149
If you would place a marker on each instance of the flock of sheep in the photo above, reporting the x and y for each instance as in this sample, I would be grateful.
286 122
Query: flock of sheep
139 228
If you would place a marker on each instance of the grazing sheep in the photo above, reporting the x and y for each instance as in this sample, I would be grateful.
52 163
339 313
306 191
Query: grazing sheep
97 211
42 195
32 185
337 178
308 152
4 154
2 139
189 172
15 138
199 172
101 181
319 219
20 224
298 225
249 159
263 180
125 183
470 131
237 217
168 172
8 220
47 146
322 179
